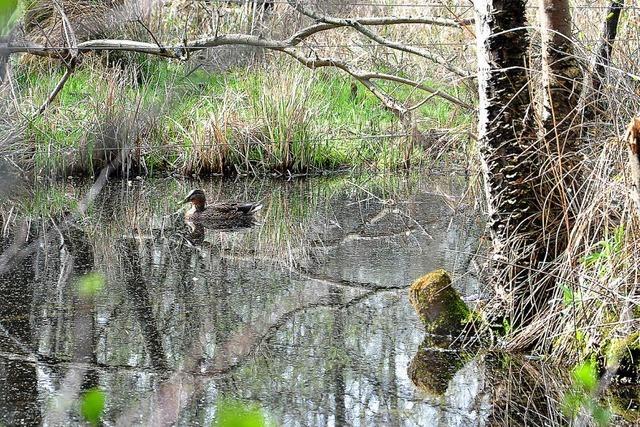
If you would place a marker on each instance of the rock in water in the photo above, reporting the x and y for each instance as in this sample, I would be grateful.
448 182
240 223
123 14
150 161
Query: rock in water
438 304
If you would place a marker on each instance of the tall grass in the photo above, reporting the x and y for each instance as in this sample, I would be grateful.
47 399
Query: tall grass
275 118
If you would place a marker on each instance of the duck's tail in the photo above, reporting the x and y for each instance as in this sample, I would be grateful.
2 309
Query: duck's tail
255 207
250 208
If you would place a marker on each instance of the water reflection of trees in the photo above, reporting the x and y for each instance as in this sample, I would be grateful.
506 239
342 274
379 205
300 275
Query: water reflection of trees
302 313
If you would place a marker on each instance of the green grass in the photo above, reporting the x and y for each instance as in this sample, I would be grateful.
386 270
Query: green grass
46 201
273 118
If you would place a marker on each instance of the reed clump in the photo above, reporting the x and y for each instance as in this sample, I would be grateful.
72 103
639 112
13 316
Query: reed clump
271 119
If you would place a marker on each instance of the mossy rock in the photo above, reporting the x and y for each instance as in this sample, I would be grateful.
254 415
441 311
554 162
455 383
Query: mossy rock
438 304
625 352
624 402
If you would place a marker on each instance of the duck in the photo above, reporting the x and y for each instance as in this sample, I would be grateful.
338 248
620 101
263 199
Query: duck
219 212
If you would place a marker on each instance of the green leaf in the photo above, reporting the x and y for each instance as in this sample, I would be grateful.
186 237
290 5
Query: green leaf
568 297
7 11
585 376
571 403
601 415
234 413
92 406
619 238
90 285
506 325
592 258
610 15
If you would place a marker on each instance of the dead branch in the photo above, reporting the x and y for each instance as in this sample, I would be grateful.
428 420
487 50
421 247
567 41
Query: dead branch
72 43
603 56
376 21
287 46
69 34
361 28
57 89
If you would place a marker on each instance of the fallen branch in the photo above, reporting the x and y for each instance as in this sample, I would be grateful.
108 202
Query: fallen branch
57 89
71 40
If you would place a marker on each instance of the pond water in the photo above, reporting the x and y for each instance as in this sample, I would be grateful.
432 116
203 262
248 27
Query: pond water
302 319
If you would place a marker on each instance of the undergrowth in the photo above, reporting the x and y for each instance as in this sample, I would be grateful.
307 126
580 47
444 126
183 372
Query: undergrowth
276 117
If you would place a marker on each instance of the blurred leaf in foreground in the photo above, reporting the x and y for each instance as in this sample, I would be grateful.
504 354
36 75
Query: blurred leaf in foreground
92 405
585 376
90 285
8 14
234 413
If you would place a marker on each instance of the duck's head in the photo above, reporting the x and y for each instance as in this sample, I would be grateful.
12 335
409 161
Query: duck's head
197 198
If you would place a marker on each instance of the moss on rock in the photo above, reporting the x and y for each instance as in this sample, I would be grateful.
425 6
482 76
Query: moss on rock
438 304
623 401
625 352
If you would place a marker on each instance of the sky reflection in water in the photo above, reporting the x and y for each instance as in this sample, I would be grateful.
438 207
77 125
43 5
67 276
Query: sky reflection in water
306 314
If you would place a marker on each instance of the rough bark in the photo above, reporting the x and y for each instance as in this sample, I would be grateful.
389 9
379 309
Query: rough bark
530 166
507 138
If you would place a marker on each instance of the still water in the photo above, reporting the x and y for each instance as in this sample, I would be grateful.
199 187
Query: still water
303 317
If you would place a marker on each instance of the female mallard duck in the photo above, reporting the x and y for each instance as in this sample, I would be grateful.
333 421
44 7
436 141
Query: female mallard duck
219 212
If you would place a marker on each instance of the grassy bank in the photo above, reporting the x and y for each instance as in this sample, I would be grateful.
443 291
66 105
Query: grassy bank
168 117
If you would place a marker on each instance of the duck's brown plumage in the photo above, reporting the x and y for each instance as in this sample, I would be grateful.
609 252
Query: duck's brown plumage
217 212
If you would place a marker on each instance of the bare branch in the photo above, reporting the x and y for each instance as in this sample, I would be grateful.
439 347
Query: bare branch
69 34
288 46
176 52
57 89
153 36
409 49
376 21
359 24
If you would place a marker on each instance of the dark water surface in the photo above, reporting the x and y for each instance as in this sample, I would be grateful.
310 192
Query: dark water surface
303 317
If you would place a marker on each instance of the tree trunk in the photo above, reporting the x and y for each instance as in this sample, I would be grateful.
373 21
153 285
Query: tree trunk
632 137
530 171
506 139
603 57
559 153
560 71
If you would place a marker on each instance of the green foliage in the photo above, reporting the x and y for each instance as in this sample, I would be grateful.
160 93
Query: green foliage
48 200
581 395
569 296
506 326
92 405
581 339
235 413
90 285
8 15
607 250
585 376
249 121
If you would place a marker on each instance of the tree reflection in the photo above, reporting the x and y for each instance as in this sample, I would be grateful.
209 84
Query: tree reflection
19 400
304 313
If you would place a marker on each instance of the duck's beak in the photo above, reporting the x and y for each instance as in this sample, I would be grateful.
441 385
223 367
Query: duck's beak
186 200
